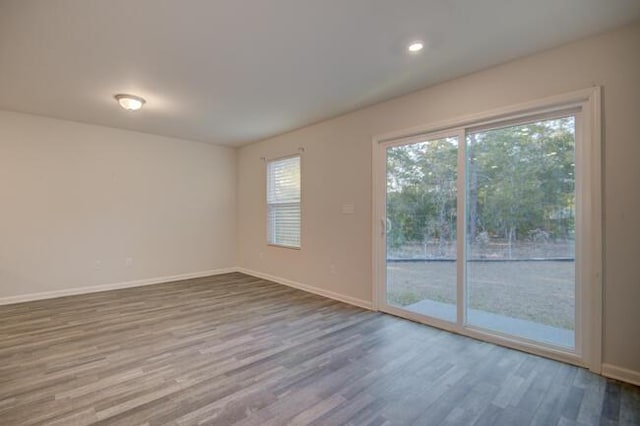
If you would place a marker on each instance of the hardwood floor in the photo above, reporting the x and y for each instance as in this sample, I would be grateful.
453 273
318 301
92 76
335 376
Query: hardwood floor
236 349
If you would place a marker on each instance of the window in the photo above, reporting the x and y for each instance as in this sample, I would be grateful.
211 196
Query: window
283 202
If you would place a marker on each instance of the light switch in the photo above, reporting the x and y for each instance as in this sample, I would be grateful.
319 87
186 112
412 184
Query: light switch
348 208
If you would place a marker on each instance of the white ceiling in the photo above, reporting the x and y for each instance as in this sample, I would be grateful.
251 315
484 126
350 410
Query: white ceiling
233 71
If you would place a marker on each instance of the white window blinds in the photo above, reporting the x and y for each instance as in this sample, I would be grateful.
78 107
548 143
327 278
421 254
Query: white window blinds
283 202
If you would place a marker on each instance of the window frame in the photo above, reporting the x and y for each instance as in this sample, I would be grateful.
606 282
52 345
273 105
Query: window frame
269 204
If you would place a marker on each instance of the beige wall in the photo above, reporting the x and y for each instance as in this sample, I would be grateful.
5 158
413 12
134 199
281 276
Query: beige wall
337 170
72 195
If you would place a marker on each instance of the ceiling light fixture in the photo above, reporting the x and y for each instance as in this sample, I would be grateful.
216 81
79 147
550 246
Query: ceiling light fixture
416 46
130 102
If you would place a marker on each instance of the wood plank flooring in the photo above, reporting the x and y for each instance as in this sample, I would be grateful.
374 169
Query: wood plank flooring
234 349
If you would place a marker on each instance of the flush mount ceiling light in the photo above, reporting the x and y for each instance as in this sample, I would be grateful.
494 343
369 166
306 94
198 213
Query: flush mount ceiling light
415 47
130 102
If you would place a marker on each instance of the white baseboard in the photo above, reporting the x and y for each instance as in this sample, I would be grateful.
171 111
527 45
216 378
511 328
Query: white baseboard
159 280
114 286
310 289
622 374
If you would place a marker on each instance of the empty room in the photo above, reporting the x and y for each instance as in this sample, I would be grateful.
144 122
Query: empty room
355 212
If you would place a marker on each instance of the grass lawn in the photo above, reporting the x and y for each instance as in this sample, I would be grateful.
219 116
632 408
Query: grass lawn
540 291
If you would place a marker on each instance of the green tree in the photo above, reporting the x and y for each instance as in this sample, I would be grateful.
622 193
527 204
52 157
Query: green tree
520 185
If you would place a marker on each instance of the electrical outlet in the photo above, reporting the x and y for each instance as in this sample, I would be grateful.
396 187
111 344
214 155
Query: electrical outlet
128 262
332 269
97 265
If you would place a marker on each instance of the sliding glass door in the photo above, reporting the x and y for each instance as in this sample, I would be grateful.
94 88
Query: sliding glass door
479 225
520 257
421 221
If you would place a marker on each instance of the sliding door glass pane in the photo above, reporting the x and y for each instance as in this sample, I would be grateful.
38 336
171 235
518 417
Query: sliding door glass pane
521 230
421 227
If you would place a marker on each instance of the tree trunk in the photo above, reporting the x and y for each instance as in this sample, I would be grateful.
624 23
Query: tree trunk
443 229
473 193
510 238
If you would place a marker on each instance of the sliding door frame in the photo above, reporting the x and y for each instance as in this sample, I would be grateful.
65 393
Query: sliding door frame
588 344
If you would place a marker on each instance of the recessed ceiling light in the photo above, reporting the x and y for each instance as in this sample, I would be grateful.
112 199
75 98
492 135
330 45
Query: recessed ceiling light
130 102
416 46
